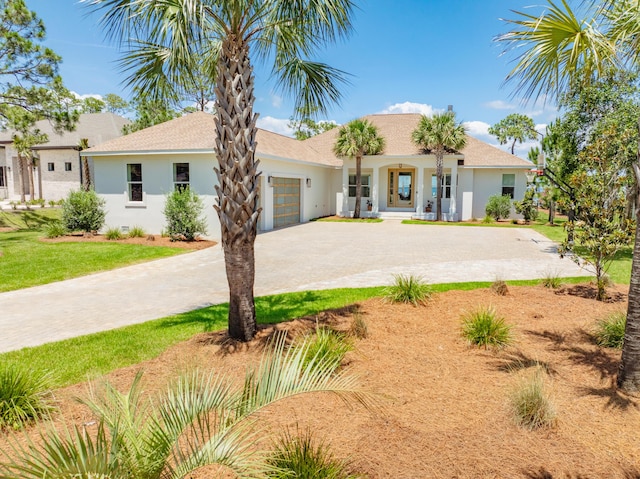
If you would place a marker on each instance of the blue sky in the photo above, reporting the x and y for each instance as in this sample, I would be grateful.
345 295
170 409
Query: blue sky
404 56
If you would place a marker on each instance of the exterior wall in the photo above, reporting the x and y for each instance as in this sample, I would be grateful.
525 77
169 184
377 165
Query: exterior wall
465 196
488 182
157 181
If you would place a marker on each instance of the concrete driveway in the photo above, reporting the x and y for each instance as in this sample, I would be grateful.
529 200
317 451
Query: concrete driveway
317 255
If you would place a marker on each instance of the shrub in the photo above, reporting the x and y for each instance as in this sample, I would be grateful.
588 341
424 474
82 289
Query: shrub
408 289
137 232
182 210
24 396
609 331
527 207
113 234
500 288
52 203
487 220
299 457
498 207
551 280
484 328
531 404
55 229
327 346
359 328
83 210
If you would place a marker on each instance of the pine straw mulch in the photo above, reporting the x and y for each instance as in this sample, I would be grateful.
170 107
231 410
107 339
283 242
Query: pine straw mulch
148 240
445 404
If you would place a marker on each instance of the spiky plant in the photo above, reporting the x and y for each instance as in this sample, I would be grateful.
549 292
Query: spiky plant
408 289
483 327
24 396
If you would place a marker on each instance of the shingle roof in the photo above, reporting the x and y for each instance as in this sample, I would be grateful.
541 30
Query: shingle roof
96 127
396 130
196 131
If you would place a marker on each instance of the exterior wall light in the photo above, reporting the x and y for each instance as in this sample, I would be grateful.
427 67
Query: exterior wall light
308 182
270 180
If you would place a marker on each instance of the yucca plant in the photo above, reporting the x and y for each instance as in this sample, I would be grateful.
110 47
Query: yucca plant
531 404
483 327
301 458
408 289
201 419
609 331
24 396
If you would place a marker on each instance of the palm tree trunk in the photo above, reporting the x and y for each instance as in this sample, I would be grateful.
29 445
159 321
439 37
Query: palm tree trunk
87 174
439 173
21 178
32 185
237 188
356 210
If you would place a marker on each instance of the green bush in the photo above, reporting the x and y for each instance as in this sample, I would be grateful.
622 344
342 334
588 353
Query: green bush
328 347
298 457
83 210
55 229
498 207
24 396
609 331
527 207
484 328
487 220
182 211
531 404
137 232
408 289
113 234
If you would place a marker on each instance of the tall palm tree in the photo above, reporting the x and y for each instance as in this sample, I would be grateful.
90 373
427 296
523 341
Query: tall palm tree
164 40
356 139
83 144
555 49
439 134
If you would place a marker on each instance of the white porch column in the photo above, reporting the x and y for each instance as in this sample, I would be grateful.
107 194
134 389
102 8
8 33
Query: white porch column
420 191
375 189
454 189
345 189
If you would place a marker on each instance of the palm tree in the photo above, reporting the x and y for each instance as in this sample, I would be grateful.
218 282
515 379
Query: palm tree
164 40
439 134
556 49
83 144
356 139
201 419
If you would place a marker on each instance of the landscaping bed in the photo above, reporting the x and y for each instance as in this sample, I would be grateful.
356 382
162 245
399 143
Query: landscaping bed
147 240
445 405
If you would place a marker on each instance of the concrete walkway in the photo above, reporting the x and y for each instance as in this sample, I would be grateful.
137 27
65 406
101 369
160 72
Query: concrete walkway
312 256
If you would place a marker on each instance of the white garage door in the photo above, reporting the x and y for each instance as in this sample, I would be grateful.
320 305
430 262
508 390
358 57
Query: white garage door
286 201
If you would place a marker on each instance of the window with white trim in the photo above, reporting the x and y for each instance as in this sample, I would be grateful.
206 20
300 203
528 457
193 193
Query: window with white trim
51 167
134 181
446 185
67 166
508 185
366 186
180 176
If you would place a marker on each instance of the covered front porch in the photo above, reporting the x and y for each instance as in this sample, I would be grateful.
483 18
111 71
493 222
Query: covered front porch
405 189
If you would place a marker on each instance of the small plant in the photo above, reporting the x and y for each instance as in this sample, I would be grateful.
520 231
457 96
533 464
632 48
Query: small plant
498 207
299 457
527 207
609 331
408 289
84 211
359 328
113 234
14 205
551 280
55 229
484 328
327 346
137 232
24 396
182 210
531 405
499 287
52 203
488 220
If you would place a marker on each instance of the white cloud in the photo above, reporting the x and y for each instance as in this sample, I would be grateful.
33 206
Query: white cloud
477 128
276 101
500 105
410 107
276 125
89 95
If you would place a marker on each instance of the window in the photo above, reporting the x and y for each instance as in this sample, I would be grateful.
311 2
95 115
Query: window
67 166
2 173
366 186
508 185
181 176
134 180
446 186
50 167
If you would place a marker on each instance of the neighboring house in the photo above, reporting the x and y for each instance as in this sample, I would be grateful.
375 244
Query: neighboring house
300 180
59 168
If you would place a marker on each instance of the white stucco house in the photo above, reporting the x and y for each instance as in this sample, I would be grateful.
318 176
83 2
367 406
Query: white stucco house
301 180
59 169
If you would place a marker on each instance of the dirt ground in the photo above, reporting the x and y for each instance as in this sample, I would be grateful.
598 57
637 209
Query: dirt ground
445 404
148 240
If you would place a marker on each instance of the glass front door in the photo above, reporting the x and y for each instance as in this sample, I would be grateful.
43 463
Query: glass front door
401 186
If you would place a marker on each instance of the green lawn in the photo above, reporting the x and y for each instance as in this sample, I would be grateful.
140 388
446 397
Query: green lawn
26 261
335 219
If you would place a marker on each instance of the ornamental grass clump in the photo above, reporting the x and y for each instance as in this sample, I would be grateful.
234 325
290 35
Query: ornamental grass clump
609 331
531 404
485 328
24 396
137 232
113 234
55 229
328 347
408 289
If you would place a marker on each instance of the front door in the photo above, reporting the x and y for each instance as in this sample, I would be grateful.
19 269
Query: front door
401 186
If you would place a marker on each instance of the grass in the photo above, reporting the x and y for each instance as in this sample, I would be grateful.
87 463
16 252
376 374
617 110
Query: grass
335 219
483 327
26 261
137 232
408 289
609 331
531 405
113 234
24 396
327 346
